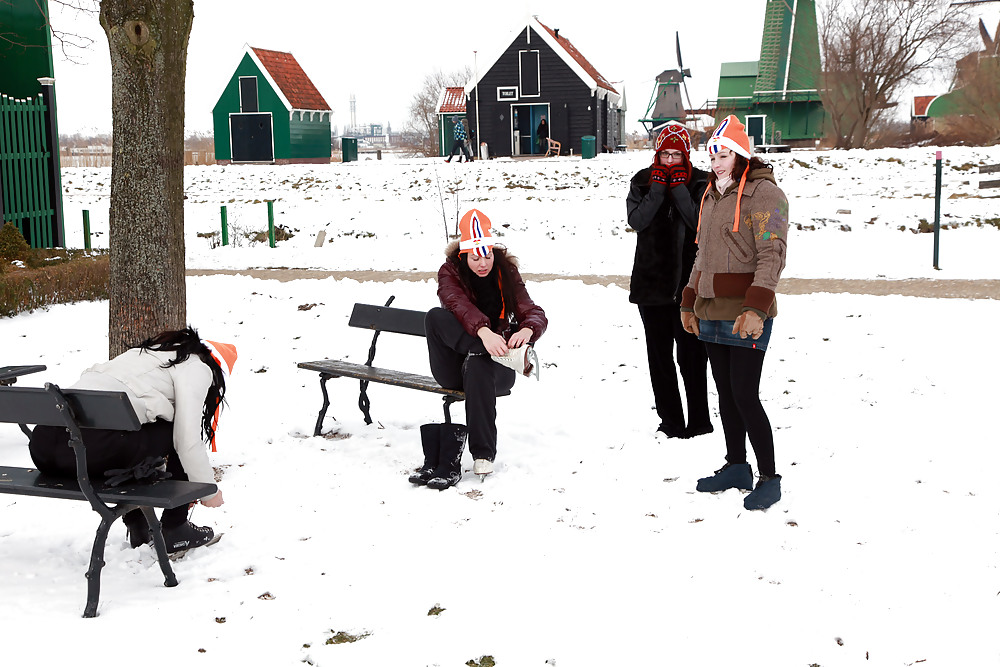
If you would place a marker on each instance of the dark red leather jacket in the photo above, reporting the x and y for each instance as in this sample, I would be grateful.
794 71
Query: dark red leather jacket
458 298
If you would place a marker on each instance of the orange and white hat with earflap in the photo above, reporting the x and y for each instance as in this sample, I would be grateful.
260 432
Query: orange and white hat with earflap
474 228
224 355
731 134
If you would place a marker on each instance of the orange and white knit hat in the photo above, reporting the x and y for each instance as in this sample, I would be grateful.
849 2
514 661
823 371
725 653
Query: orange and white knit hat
224 355
730 134
474 228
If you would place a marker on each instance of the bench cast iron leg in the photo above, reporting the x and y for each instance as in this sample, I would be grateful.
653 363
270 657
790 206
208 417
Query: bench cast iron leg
448 400
323 377
169 580
96 565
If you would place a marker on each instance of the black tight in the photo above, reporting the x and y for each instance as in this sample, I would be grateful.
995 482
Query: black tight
737 377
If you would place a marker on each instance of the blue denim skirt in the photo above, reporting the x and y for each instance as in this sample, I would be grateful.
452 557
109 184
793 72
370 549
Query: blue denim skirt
721 332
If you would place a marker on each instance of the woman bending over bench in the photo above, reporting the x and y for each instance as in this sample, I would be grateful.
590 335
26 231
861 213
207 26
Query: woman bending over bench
475 342
176 383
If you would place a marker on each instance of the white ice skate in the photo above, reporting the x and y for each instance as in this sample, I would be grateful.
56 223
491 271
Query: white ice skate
482 467
523 360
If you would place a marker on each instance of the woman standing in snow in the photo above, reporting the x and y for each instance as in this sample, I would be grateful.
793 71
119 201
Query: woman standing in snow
729 302
477 341
662 208
176 383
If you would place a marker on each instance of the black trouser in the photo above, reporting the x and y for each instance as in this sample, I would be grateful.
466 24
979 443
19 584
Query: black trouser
737 377
107 450
460 361
460 144
662 324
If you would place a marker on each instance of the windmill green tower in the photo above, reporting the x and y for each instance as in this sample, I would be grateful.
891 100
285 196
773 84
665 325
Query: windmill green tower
777 96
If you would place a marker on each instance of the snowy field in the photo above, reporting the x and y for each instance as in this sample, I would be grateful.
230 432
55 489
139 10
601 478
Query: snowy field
589 546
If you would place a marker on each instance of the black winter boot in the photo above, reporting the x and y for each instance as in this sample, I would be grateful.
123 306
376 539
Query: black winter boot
137 528
430 440
449 469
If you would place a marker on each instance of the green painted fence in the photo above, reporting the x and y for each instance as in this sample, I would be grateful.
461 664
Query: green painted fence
25 177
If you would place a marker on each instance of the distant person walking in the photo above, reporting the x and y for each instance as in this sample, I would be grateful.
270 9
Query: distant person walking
729 302
542 133
662 207
461 136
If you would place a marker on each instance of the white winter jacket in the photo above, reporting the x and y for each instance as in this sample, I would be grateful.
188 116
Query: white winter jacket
176 394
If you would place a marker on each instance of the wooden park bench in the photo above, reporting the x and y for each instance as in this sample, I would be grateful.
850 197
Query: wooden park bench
989 169
78 409
379 319
555 147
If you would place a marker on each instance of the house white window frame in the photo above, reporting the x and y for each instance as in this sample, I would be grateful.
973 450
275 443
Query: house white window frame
538 74
763 127
256 87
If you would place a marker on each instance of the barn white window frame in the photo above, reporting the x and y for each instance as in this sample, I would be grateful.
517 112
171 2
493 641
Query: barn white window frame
538 73
256 90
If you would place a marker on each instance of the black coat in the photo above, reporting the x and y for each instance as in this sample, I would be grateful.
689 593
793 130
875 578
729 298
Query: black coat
665 220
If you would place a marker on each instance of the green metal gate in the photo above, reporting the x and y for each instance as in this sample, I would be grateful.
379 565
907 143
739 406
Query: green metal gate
25 178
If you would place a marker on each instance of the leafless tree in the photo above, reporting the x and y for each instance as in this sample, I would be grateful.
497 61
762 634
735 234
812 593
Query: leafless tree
423 119
873 48
148 42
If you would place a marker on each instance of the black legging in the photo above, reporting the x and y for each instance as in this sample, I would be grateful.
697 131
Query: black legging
737 377
662 324
482 379
108 450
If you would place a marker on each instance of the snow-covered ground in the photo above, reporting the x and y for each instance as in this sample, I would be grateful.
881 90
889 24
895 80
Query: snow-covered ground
589 546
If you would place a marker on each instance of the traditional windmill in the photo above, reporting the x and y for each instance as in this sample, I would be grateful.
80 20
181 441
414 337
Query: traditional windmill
666 103
976 89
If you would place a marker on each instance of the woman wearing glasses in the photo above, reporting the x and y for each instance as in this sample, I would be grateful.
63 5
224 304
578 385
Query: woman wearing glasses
662 208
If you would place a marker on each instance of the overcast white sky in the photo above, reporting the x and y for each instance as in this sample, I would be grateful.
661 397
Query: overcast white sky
381 52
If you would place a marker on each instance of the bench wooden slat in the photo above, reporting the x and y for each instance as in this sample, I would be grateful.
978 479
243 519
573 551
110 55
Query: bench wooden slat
381 375
384 318
163 493
93 409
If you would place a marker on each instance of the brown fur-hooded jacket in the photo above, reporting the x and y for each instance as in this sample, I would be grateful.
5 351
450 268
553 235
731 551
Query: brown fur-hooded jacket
457 296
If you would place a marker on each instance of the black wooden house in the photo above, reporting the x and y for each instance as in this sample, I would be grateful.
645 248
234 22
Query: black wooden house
542 74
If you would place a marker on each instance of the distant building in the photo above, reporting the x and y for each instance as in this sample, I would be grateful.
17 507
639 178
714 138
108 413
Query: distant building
541 73
777 97
270 112
451 106
30 184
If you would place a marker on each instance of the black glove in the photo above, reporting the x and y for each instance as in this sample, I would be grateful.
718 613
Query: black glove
150 469
660 175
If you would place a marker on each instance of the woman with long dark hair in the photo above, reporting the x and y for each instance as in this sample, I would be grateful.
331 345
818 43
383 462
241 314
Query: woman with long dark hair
729 302
478 341
176 383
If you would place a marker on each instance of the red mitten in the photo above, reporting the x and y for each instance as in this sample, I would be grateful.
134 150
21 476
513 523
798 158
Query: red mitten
679 173
660 175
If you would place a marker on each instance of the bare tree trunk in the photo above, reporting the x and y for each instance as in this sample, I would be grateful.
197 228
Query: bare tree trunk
148 41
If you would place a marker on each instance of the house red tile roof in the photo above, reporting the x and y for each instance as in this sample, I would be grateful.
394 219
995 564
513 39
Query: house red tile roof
292 80
453 101
578 57
920 104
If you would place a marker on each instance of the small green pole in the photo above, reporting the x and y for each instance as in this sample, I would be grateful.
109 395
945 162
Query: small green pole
86 229
937 211
270 222
225 227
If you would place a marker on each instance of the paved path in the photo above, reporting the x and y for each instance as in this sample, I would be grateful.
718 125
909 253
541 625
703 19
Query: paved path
925 287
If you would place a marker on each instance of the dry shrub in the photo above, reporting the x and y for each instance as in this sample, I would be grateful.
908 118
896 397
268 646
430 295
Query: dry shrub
12 243
81 279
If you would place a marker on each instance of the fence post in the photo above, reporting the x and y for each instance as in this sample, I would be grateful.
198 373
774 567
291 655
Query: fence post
58 237
270 222
86 229
225 227
937 210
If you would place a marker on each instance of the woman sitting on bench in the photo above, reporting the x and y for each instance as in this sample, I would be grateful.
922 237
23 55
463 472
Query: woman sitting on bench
176 383
477 342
